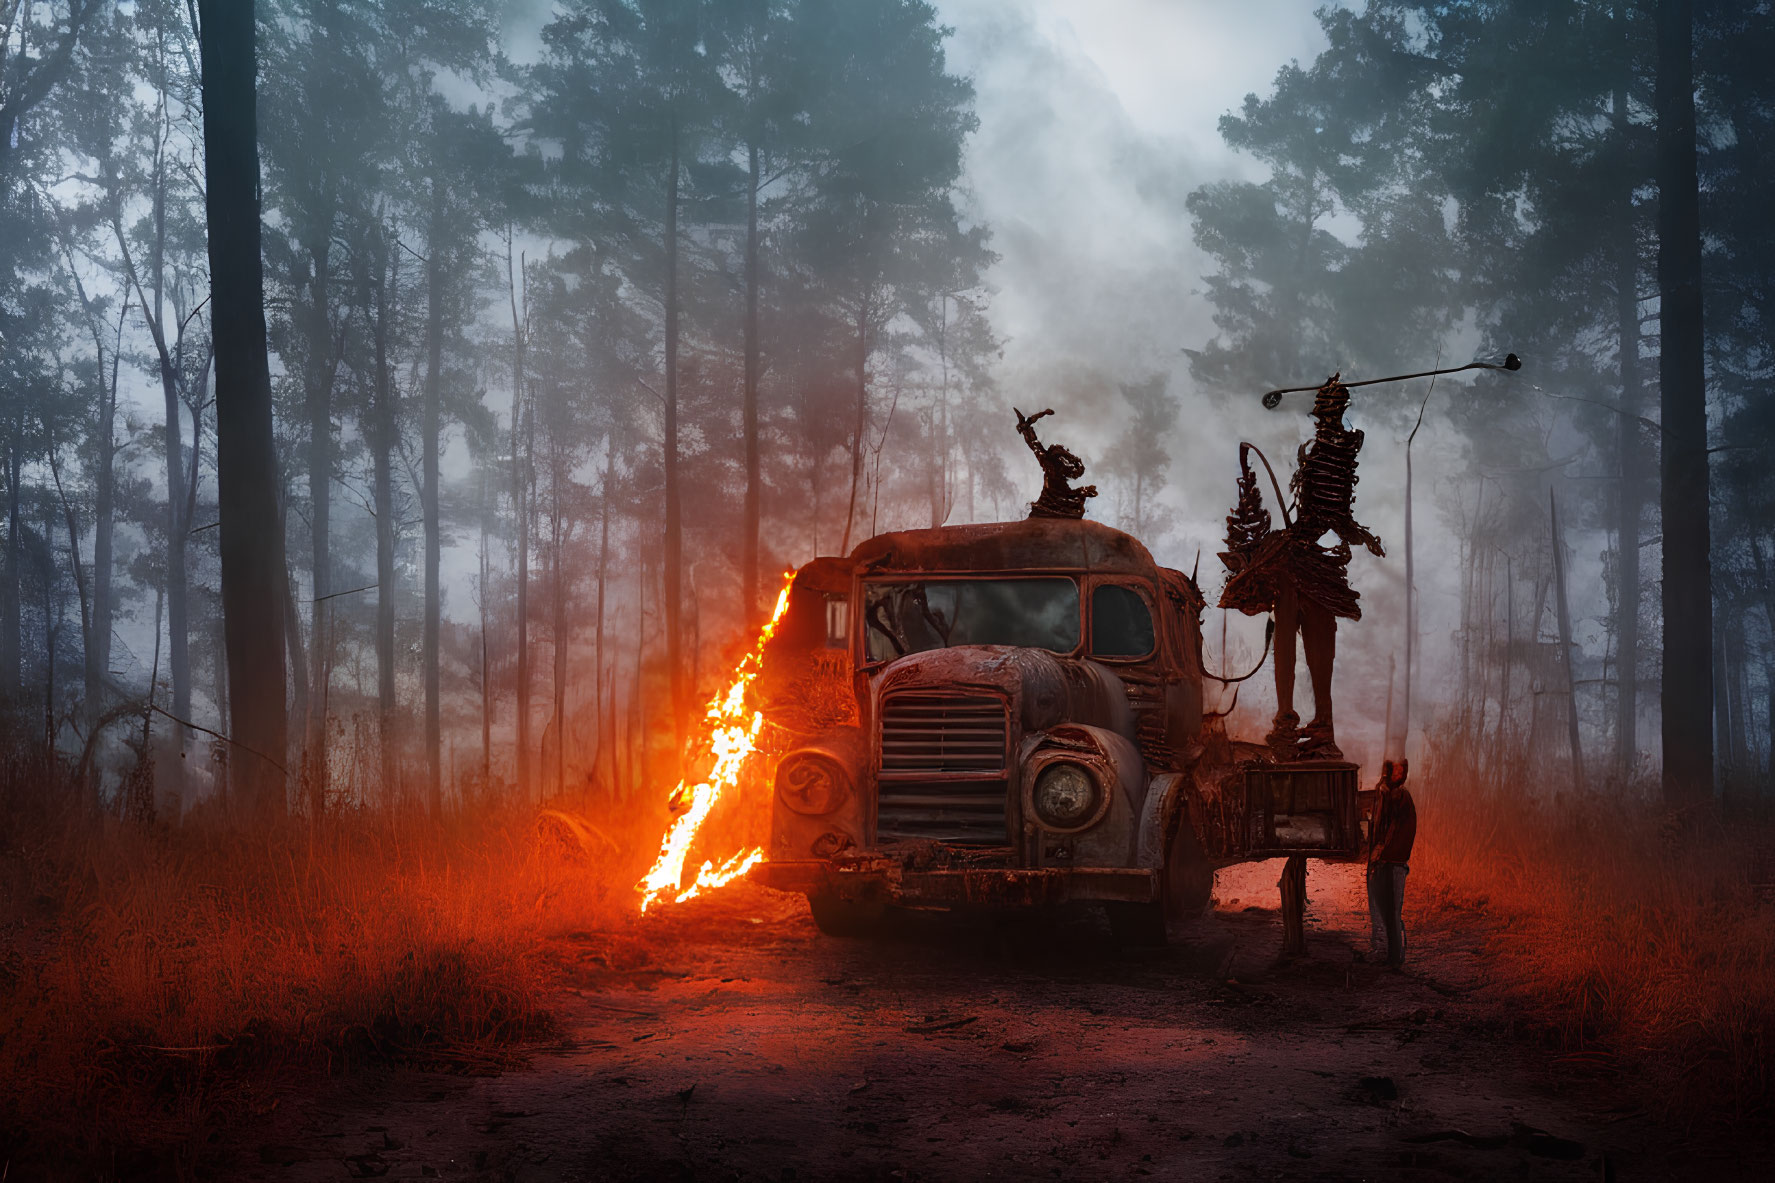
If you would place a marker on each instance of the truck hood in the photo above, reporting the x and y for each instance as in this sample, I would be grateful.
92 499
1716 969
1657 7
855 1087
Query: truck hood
1042 688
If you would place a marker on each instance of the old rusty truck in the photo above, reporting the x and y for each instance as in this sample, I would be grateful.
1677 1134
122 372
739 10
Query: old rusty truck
1011 715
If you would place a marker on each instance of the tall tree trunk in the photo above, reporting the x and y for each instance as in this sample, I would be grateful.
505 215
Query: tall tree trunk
1766 591
104 534
605 736
638 760
939 476
88 652
177 519
253 586
486 682
104 432
1629 502
1389 747
674 556
320 481
92 672
1722 731
1738 765
1469 569
1567 657
521 512
1630 495
11 647
178 620
1509 655
1543 585
1392 678
1769 707
558 544
382 442
430 431
219 638
51 627
297 652
750 526
1687 690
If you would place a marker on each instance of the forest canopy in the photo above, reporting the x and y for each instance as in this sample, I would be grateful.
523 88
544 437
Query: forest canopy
580 323
576 344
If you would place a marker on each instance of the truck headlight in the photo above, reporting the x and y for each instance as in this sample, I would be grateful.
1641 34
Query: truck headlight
1066 795
812 782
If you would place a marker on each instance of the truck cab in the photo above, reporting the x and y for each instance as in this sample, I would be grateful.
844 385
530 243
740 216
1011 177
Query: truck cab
1011 715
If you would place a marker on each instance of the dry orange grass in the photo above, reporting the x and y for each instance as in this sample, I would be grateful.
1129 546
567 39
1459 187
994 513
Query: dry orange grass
155 979
1640 939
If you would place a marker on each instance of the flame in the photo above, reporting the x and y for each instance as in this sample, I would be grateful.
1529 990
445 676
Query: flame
732 869
730 729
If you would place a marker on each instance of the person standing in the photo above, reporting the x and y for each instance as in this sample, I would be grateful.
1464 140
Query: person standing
1389 852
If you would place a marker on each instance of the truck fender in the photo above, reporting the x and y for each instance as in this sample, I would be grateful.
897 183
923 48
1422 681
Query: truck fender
1164 797
799 835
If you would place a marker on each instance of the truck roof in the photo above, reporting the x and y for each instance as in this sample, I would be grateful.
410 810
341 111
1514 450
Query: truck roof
1049 544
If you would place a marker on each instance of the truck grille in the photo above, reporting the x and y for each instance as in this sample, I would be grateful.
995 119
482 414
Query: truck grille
943 760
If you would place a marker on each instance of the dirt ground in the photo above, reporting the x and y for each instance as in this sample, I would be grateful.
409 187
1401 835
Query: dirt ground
728 1039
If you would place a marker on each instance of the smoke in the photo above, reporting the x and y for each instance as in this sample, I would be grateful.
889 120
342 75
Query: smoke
1096 122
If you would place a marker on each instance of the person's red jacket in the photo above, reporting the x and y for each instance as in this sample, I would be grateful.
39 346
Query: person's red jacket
1395 827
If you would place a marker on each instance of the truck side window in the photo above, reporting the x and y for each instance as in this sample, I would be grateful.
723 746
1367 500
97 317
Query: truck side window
838 622
1121 623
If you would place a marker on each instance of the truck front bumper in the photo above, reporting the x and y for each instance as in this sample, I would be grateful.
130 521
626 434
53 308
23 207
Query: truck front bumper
1002 887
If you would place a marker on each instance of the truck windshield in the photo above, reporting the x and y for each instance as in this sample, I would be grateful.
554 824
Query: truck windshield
910 617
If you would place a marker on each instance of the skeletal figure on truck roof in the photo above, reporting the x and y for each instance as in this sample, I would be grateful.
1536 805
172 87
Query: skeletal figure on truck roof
1059 469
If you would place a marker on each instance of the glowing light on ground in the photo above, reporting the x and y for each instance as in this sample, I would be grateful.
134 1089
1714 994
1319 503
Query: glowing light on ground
730 732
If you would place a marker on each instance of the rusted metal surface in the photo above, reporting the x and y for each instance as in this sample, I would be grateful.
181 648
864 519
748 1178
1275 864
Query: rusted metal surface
797 832
1217 810
1290 573
1036 544
1260 808
940 749
1302 808
1041 689
1109 836
990 887
943 768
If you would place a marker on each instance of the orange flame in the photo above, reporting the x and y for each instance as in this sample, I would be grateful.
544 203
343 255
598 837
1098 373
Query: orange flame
730 728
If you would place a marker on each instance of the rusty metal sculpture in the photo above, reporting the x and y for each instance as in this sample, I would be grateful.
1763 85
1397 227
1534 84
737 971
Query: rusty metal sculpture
1290 573
1059 469
1511 363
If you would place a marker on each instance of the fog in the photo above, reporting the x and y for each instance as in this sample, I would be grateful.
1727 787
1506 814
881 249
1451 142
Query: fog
524 238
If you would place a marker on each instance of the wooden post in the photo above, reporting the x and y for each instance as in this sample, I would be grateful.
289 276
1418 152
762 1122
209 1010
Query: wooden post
1565 647
1294 906
1387 748
1411 600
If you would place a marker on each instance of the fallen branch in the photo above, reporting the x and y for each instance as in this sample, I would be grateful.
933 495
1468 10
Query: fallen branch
224 738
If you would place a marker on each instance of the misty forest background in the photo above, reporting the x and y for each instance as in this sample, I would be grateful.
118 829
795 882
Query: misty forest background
574 350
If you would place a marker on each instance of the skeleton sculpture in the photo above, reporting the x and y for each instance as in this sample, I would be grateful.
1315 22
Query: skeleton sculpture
1059 469
1289 572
